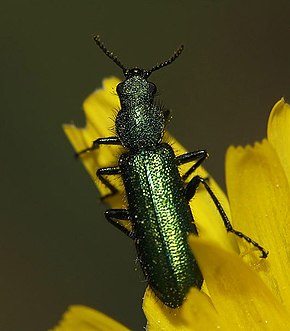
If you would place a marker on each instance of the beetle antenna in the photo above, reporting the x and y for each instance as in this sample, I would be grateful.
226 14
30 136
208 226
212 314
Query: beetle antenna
110 54
169 61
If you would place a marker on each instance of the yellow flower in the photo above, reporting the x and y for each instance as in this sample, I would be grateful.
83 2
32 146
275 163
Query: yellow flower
242 292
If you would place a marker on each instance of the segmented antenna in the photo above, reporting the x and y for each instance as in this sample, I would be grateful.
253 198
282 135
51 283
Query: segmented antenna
136 71
169 61
111 55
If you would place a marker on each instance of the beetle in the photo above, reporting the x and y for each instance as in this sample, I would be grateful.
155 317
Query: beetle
158 196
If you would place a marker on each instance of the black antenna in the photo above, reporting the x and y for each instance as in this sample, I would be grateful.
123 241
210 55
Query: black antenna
136 71
169 61
111 55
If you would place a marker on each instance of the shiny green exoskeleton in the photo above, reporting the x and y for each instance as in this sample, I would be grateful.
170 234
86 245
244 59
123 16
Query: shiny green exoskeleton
161 221
158 198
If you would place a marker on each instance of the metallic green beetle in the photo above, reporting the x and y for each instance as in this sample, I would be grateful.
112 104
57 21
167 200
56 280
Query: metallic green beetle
157 195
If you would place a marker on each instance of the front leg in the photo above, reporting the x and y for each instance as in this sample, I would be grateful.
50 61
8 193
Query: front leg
96 144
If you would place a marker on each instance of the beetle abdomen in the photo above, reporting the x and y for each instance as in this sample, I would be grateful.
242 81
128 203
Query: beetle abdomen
161 222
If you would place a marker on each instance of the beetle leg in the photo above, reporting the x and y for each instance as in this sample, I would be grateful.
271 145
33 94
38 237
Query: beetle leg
200 156
105 172
96 144
114 215
189 193
191 188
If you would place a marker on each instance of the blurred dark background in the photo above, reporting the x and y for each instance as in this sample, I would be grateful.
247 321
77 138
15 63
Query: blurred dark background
56 249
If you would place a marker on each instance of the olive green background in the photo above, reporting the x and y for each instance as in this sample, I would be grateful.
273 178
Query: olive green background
56 249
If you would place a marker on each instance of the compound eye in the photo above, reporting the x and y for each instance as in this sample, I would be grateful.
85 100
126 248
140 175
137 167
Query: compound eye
119 88
152 88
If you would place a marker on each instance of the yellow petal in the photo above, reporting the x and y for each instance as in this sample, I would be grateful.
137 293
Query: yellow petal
81 318
239 296
260 199
197 313
99 108
279 133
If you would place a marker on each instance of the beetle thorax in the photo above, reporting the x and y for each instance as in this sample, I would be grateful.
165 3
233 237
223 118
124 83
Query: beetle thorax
139 123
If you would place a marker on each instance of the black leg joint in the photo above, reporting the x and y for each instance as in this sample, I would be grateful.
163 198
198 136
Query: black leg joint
113 215
198 156
105 172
